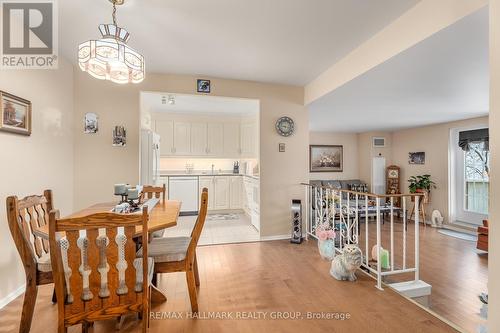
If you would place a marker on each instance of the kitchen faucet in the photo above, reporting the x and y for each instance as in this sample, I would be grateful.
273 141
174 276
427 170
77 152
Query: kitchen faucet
213 166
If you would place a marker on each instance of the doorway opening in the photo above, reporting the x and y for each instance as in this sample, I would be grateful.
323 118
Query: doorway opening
191 142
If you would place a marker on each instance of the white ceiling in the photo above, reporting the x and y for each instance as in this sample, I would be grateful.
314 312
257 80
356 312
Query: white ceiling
441 79
282 41
199 104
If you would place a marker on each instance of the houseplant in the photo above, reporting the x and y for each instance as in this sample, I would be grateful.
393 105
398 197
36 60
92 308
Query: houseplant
421 184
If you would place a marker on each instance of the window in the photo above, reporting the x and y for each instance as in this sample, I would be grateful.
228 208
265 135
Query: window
469 175
476 187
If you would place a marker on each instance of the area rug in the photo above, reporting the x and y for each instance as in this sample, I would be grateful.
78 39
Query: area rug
222 217
459 235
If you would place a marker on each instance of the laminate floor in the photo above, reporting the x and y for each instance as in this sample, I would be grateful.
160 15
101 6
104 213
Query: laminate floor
457 271
284 282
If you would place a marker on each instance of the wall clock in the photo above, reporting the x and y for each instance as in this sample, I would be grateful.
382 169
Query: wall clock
285 126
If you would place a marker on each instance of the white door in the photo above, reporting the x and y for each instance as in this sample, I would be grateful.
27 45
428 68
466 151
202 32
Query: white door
232 139
166 131
378 175
236 190
247 139
182 138
215 139
222 197
198 139
208 182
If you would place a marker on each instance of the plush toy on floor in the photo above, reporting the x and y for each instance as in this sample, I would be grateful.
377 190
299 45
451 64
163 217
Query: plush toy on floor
345 264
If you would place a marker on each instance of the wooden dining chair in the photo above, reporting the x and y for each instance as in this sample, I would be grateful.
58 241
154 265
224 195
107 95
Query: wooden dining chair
178 254
158 192
155 191
96 273
24 217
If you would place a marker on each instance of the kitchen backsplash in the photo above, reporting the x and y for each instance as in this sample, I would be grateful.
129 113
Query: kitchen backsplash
179 164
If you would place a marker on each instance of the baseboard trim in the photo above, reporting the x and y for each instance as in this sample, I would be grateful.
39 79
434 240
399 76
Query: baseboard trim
271 238
12 296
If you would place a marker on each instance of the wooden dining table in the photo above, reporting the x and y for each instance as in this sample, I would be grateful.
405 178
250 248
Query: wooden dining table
161 216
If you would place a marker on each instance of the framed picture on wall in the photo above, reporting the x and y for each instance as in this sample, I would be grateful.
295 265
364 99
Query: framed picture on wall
203 86
326 158
16 114
416 158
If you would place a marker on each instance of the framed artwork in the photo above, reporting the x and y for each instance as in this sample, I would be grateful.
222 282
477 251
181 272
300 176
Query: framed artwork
91 123
119 136
326 158
416 158
16 114
203 86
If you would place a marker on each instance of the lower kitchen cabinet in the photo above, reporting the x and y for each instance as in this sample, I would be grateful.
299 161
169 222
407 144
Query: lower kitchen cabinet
208 182
236 190
229 192
222 193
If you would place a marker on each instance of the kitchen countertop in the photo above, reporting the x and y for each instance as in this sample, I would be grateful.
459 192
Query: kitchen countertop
195 173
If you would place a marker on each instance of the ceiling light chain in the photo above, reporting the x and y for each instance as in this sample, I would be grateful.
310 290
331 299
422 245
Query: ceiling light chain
114 13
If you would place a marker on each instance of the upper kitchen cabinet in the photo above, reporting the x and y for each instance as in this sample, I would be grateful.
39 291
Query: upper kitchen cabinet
166 131
199 145
215 140
182 138
231 139
249 136
200 137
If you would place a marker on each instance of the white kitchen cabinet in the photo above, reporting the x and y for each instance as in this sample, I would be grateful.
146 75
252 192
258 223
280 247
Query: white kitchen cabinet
208 182
222 193
199 139
236 190
166 131
248 138
182 138
215 139
232 139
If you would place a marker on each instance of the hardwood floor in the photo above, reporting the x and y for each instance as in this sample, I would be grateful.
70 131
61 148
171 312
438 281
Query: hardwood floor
265 277
457 271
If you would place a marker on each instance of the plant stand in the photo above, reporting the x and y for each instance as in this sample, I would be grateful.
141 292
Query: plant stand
422 205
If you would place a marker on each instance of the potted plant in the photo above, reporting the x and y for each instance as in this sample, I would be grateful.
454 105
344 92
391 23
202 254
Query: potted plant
421 184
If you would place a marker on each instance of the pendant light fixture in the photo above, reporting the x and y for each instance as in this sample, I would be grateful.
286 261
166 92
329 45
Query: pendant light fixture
110 58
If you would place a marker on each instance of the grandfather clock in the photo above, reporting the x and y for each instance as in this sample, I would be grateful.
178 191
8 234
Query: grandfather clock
393 175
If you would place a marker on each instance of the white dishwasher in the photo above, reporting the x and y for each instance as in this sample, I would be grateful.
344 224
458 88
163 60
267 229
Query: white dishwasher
184 189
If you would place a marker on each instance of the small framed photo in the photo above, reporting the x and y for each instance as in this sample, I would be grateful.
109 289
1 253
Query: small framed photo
416 158
119 136
16 114
282 147
203 86
91 123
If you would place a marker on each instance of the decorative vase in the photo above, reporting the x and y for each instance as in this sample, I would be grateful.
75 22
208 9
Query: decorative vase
326 249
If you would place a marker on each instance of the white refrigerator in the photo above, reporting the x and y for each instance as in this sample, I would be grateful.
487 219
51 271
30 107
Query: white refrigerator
150 158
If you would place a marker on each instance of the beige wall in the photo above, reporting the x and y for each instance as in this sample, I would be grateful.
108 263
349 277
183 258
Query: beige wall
350 143
98 165
29 165
434 141
366 152
494 242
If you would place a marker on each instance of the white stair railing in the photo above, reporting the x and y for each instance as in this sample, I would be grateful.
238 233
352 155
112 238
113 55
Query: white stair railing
344 210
